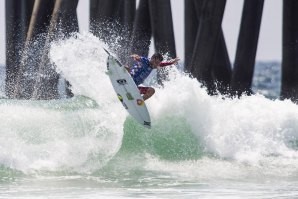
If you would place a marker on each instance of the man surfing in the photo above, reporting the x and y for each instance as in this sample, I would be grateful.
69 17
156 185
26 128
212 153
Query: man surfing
142 68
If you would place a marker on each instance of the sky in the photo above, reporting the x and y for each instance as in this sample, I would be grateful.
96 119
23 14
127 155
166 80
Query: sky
269 47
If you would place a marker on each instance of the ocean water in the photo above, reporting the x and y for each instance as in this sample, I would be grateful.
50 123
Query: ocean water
199 146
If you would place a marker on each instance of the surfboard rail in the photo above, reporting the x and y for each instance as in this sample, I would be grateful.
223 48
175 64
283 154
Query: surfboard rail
127 91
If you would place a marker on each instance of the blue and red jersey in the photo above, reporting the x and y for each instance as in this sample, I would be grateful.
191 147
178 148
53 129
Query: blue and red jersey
141 69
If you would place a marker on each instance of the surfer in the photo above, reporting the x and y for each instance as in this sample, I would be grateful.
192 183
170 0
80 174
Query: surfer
142 68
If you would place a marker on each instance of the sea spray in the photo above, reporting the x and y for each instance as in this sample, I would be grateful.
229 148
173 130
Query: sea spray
193 136
56 136
188 124
82 61
66 135
230 128
206 138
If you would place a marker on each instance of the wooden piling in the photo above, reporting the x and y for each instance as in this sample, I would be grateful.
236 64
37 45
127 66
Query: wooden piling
111 21
126 12
17 21
163 32
221 66
129 14
42 17
31 54
142 31
162 26
102 15
206 41
20 90
191 23
247 47
46 84
289 84
141 35
68 19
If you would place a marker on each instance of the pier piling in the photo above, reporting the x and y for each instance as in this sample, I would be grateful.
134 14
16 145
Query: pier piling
206 41
289 84
247 47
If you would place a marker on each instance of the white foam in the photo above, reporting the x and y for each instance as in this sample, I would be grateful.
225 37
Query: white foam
246 130
37 138
252 130
34 137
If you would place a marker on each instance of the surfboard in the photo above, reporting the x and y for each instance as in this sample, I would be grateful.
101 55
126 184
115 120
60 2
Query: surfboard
127 91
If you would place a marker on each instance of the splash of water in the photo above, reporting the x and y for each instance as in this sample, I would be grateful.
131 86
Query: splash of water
189 126
251 130
242 129
66 135
197 136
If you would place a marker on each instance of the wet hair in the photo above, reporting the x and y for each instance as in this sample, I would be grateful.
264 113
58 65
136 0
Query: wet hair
157 56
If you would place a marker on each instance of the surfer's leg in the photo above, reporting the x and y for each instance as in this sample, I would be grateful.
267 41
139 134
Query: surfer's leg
147 92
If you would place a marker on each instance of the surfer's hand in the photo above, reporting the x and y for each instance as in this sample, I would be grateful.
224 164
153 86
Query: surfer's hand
127 67
175 60
135 57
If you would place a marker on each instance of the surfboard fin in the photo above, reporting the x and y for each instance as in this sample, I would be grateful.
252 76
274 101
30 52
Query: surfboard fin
147 124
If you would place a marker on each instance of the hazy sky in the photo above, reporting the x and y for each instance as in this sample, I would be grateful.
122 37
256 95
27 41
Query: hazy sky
269 47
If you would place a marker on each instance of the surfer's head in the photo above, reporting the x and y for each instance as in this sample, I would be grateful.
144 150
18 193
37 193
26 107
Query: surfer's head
156 59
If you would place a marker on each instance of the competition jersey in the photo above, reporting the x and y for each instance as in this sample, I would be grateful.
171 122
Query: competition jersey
141 70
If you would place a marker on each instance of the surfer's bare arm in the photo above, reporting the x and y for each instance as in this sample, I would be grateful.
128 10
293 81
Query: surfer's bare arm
136 57
171 62
127 67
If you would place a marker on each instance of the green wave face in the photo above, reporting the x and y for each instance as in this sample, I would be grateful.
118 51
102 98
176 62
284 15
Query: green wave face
170 139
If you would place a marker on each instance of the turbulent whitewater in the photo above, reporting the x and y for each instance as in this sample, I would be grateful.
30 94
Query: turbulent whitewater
198 143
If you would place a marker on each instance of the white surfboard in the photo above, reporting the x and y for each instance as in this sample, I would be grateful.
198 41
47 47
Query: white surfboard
127 91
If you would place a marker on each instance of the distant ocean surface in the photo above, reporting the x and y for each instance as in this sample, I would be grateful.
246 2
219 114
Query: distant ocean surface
200 146
267 79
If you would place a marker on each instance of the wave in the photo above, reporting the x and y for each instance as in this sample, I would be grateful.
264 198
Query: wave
191 132
56 135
